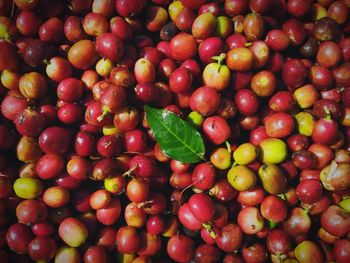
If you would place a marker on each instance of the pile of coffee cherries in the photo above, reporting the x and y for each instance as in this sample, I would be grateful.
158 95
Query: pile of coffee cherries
265 82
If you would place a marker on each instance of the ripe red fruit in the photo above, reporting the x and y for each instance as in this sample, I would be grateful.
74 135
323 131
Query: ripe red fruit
294 73
187 218
18 236
205 100
180 80
229 238
109 46
42 248
180 248
325 131
29 122
127 240
216 129
183 46
202 207
203 176
279 125
246 101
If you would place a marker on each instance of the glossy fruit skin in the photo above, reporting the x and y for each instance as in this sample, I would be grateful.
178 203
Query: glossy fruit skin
241 178
126 8
144 71
32 85
329 54
42 248
202 207
281 105
295 31
49 166
273 208
204 25
263 56
306 251
324 131
341 250
273 150
254 253
27 188
73 232
246 102
335 220
127 240
309 191
82 54
216 129
250 220
294 73
278 241
240 59
229 238
15 232
12 104
253 26
208 48
205 100
203 176
279 125
338 181
272 178
109 46
187 218
73 29
109 214
54 140
58 69
36 52
183 46
28 23
180 248
207 253
29 123
277 40
156 17
180 80
263 83
282 101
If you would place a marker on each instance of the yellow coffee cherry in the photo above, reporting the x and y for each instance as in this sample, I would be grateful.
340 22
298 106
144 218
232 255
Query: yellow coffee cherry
245 153
241 178
221 158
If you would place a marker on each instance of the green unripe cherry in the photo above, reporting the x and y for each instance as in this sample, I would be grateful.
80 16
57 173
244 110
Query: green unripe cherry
195 119
273 150
221 158
28 188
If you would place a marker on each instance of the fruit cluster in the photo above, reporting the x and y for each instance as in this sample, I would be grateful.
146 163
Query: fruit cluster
83 178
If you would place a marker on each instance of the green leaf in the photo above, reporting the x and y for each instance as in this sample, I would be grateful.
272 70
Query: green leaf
177 138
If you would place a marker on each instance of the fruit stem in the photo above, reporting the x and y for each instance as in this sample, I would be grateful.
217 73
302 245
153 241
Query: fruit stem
228 146
129 172
104 114
283 196
220 59
209 228
308 208
272 224
328 115
94 157
13 9
183 190
145 204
